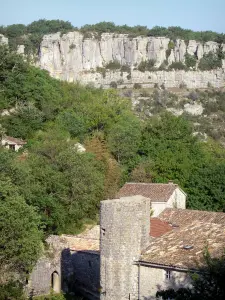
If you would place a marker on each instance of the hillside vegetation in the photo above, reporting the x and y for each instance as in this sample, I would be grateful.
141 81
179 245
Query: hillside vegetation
49 187
31 35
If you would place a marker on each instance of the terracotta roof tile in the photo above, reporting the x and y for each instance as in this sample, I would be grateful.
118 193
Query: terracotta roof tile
159 227
158 192
196 229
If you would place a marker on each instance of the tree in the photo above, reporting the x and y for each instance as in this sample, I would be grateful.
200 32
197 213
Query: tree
20 231
124 138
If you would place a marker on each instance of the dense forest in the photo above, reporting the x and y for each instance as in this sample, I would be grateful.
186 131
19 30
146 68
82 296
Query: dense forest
49 187
31 35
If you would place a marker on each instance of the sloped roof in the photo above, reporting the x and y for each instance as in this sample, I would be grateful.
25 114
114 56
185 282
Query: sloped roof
159 227
194 229
13 140
184 216
156 192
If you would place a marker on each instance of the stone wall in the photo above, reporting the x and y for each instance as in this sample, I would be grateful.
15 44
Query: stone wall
76 271
124 225
81 272
155 279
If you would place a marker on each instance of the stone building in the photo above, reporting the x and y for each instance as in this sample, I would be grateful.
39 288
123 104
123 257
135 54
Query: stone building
12 143
161 195
137 255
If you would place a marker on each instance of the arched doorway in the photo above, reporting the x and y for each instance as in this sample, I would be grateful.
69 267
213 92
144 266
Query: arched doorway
56 286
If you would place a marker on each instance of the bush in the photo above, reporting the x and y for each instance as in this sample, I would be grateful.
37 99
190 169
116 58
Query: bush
101 71
72 46
210 61
129 76
113 65
182 85
125 68
113 84
190 60
137 86
193 96
178 65
147 65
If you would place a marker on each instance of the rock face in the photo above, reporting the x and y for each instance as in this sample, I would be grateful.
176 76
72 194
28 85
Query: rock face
73 57
3 40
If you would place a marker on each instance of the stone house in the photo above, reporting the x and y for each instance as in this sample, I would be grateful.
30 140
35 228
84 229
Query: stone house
130 255
161 195
12 143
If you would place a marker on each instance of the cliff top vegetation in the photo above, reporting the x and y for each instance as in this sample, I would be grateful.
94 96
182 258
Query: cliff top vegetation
32 34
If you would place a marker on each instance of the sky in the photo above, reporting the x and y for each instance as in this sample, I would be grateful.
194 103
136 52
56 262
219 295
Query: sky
190 14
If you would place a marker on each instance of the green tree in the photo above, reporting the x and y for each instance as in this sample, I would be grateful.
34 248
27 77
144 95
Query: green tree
20 234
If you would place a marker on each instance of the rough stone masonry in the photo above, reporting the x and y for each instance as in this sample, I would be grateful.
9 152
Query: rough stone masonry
119 248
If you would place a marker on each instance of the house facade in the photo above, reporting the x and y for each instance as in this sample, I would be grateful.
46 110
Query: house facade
130 255
12 143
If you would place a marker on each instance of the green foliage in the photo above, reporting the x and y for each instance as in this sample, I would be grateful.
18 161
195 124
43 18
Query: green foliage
190 60
20 234
113 85
178 65
125 68
101 71
147 65
210 61
124 138
13 290
137 86
113 65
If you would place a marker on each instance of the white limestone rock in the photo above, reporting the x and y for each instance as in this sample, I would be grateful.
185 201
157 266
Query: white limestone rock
3 40
193 109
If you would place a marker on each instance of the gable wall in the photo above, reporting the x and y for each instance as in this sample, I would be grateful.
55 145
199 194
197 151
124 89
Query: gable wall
154 279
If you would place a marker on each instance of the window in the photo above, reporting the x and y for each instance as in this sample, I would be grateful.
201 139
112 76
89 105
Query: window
12 147
168 274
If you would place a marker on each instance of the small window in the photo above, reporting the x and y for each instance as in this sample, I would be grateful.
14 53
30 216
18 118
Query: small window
168 274
12 147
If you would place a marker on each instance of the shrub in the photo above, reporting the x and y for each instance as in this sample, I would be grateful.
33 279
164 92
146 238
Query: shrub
178 65
137 86
147 65
113 65
193 96
72 46
120 81
210 61
190 60
129 76
125 68
101 71
182 85
113 84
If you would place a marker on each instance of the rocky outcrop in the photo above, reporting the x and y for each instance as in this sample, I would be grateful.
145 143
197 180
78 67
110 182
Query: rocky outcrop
3 40
73 57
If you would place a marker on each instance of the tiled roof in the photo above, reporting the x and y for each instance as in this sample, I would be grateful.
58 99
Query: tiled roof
14 140
196 229
158 192
184 216
159 227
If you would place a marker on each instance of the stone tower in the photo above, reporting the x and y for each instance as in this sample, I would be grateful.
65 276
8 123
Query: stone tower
125 226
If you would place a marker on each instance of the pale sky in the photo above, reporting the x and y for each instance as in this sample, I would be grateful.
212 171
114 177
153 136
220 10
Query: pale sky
191 14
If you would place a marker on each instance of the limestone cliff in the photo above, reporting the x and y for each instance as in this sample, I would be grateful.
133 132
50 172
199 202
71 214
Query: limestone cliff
72 57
